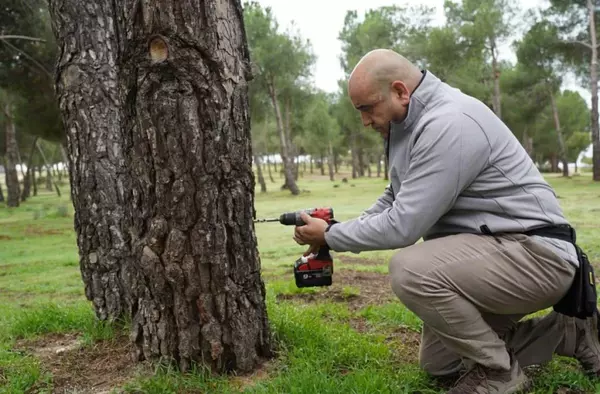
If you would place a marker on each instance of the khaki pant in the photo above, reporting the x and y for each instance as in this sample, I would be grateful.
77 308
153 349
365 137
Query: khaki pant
471 292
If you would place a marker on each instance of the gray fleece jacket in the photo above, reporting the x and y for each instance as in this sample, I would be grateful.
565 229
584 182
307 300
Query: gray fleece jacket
454 168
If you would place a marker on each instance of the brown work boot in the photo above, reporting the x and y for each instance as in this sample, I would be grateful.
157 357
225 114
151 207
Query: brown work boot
483 380
587 350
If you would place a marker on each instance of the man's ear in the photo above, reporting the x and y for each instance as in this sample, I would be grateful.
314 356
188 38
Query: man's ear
401 91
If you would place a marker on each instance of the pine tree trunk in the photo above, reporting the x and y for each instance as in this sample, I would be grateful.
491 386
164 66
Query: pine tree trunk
29 175
561 143
11 159
354 149
287 163
1 194
88 95
311 164
269 169
181 133
259 173
330 162
497 99
322 163
34 181
594 83
361 162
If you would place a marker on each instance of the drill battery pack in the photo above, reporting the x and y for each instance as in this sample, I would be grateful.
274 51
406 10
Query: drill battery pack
312 271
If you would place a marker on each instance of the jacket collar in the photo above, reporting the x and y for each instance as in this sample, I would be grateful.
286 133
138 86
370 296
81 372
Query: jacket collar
419 100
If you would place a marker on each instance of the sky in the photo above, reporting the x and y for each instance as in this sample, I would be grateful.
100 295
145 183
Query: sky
320 21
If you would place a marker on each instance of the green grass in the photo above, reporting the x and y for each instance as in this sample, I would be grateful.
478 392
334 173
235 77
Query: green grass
319 348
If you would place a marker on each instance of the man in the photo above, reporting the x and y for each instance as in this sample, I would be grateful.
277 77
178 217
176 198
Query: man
460 180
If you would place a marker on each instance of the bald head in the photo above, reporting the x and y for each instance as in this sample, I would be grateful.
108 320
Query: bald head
380 87
381 67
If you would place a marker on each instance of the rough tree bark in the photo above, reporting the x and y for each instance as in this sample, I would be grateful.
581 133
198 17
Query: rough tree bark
88 95
11 158
184 132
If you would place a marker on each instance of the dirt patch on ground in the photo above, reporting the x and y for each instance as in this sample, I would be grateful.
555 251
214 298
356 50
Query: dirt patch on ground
356 288
34 230
243 382
358 260
4 237
95 368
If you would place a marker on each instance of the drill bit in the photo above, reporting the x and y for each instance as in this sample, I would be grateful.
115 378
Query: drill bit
266 220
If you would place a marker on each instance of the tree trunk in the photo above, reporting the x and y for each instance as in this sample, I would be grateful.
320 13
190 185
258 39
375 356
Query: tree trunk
88 96
34 181
269 169
181 131
354 153
361 162
1 194
594 83
379 166
554 163
562 153
65 158
259 173
336 162
30 171
48 170
322 163
330 162
311 164
13 192
497 99
288 165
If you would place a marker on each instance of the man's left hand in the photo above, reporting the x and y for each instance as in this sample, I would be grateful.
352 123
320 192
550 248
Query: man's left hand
312 233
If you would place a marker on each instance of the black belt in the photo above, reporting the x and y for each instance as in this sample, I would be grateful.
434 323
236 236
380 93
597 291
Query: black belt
560 231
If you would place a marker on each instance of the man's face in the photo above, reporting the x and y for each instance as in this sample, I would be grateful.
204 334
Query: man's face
378 106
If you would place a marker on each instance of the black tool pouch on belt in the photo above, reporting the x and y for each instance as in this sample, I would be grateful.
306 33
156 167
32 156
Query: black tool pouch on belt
580 301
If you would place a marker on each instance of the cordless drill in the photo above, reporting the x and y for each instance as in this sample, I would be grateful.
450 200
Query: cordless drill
309 270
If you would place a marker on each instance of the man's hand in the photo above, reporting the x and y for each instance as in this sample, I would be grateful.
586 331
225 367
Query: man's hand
312 233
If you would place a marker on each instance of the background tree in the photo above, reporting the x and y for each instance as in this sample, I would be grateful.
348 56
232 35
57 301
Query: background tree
324 131
279 62
578 25
538 52
174 122
485 24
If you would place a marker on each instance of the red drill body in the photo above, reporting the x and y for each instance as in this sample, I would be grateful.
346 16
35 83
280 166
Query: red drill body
310 270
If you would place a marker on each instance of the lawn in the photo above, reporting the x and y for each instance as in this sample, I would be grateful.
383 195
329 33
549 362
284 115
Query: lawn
352 337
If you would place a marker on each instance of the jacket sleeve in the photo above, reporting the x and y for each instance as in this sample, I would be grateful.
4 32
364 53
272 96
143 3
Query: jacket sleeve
447 156
384 201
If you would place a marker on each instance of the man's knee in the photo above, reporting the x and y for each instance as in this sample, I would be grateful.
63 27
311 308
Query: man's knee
406 276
